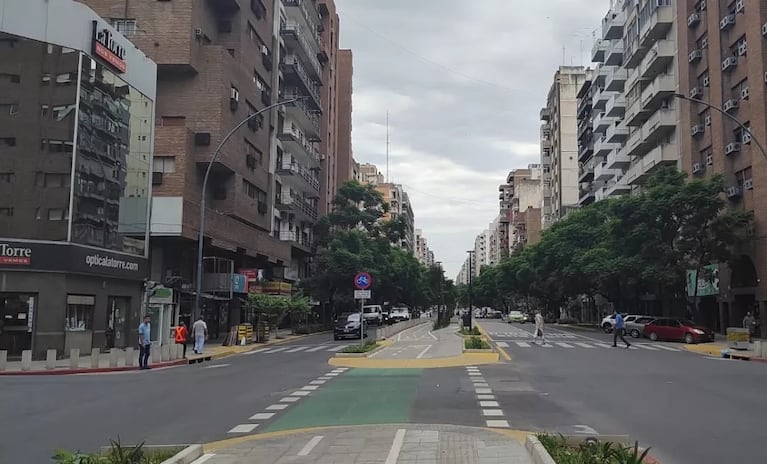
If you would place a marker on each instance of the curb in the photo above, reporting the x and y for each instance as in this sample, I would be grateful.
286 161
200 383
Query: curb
366 354
537 451
98 370
540 454
465 359
492 342
186 456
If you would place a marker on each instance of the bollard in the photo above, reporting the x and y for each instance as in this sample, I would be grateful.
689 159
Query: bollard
165 352
175 351
120 358
113 357
130 356
26 360
74 358
3 360
95 353
50 359
156 354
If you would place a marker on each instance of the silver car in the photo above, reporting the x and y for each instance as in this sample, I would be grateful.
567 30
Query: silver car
634 324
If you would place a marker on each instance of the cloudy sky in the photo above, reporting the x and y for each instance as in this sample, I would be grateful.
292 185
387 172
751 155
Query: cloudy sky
463 82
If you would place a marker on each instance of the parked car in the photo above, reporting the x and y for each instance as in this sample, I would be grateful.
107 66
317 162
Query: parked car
516 316
399 314
349 327
635 324
608 323
373 314
678 330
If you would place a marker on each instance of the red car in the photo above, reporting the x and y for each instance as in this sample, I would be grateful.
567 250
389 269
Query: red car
677 329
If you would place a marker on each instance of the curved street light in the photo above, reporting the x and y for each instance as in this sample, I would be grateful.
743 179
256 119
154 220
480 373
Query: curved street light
201 233
728 115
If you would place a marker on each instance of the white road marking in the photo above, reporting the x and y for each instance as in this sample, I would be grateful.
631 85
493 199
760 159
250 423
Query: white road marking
547 345
584 429
603 345
301 393
216 366
260 350
477 380
481 385
420 355
564 345
310 445
396 446
483 391
433 336
317 382
338 348
332 374
243 428
584 345
646 347
294 350
664 347
492 412
472 367
203 458
474 373
324 378
317 348
290 399
502 344
485 397
276 350
342 369
523 344
262 416
498 424
310 387
488 404
277 407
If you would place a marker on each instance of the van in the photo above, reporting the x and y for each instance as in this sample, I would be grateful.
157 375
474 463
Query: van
373 314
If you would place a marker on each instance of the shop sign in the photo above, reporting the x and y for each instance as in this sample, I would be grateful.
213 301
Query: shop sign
279 288
15 255
239 283
106 48
161 295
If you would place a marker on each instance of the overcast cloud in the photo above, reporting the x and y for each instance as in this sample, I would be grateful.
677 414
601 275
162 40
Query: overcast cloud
463 82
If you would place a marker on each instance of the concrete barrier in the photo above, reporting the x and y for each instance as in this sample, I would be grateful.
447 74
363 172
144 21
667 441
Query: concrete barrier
388 331
95 354
114 354
50 359
130 356
3 360
165 352
156 353
26 360
74 358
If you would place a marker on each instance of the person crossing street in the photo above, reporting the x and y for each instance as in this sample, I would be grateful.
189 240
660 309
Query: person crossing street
619 330
539 328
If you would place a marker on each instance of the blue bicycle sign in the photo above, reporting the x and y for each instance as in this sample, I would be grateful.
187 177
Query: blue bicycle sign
363 281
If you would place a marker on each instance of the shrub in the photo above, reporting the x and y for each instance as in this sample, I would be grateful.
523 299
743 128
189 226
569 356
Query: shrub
592 452
366 347
475 343
473 331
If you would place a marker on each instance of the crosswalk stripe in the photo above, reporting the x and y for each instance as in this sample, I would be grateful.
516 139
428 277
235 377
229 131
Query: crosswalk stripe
275 350
584 345
646 347
663 347
338 348
293 350
261 350
603 345
547 345
317 348
564 345
502 344
523 344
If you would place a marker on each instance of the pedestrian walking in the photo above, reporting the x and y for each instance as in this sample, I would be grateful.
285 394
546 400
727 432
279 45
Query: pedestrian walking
144 342
619 330
200 333
539 328
182 335
749 323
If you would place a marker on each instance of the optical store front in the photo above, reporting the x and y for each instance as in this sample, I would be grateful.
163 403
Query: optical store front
76 129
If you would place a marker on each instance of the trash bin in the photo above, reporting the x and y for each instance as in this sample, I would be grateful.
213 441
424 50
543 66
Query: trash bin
737 338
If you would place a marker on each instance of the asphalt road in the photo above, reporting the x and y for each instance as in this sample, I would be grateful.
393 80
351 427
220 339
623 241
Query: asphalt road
689 408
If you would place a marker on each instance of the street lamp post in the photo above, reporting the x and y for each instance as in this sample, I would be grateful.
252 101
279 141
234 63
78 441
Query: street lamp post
728 115
442 310
471 277
201 234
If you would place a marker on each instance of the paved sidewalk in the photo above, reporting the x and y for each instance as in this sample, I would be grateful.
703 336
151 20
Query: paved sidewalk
375 444
716 348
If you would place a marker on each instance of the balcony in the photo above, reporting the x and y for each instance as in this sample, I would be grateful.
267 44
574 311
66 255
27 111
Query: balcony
224 8
587 171
617 133
660 125
545 114
616 187
308 119
600 76
584 105
296 238
658 57
602 122
599 50
298 144
636 145
618 159
587 197
616 80
612 25
614 55
297 176
657 92
586 149
545 143
642 169
308 13
616 106
602 172
299 41
599 101
295 74
633 53
657 26
636 114
288 202
584 126
603 148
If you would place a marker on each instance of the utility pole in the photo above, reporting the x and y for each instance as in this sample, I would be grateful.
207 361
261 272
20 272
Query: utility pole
388 179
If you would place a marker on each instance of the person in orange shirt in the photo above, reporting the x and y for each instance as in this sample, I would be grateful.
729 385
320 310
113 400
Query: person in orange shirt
181 335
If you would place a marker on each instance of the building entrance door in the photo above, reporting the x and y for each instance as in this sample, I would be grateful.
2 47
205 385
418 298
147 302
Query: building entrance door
117 313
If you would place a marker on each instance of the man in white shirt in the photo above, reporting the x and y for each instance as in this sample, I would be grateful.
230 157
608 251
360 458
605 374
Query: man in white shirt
200 333
539 328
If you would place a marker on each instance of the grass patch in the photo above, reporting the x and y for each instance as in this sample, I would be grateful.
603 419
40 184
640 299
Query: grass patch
473 331
118 454
364 348
592 452
475 343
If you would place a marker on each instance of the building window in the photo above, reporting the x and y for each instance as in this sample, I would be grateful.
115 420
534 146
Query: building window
56 180
46 79
60 112
252 191
125 26
7 177
80 309
7 142
58 214
12 78
64 78
164 164
7 212
11 108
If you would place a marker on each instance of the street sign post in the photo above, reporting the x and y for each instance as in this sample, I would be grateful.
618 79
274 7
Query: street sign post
362 281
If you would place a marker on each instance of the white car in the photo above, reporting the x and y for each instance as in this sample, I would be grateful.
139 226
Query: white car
608 323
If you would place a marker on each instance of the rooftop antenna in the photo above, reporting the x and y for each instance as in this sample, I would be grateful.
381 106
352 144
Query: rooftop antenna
387 147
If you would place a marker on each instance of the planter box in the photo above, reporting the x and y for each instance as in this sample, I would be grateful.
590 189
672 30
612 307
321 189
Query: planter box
473 350
360 355
541 456
187 455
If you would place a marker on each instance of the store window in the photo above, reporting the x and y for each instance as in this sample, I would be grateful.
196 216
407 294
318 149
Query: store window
80 309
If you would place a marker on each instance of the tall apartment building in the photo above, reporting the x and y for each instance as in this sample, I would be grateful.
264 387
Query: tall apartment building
588 186
329 31
465 273
559 144
345 164
422 251
481 250
370 174
722 50
399 207
524 211
493 243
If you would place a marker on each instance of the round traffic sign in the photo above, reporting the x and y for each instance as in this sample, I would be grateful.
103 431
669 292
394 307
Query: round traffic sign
363 281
